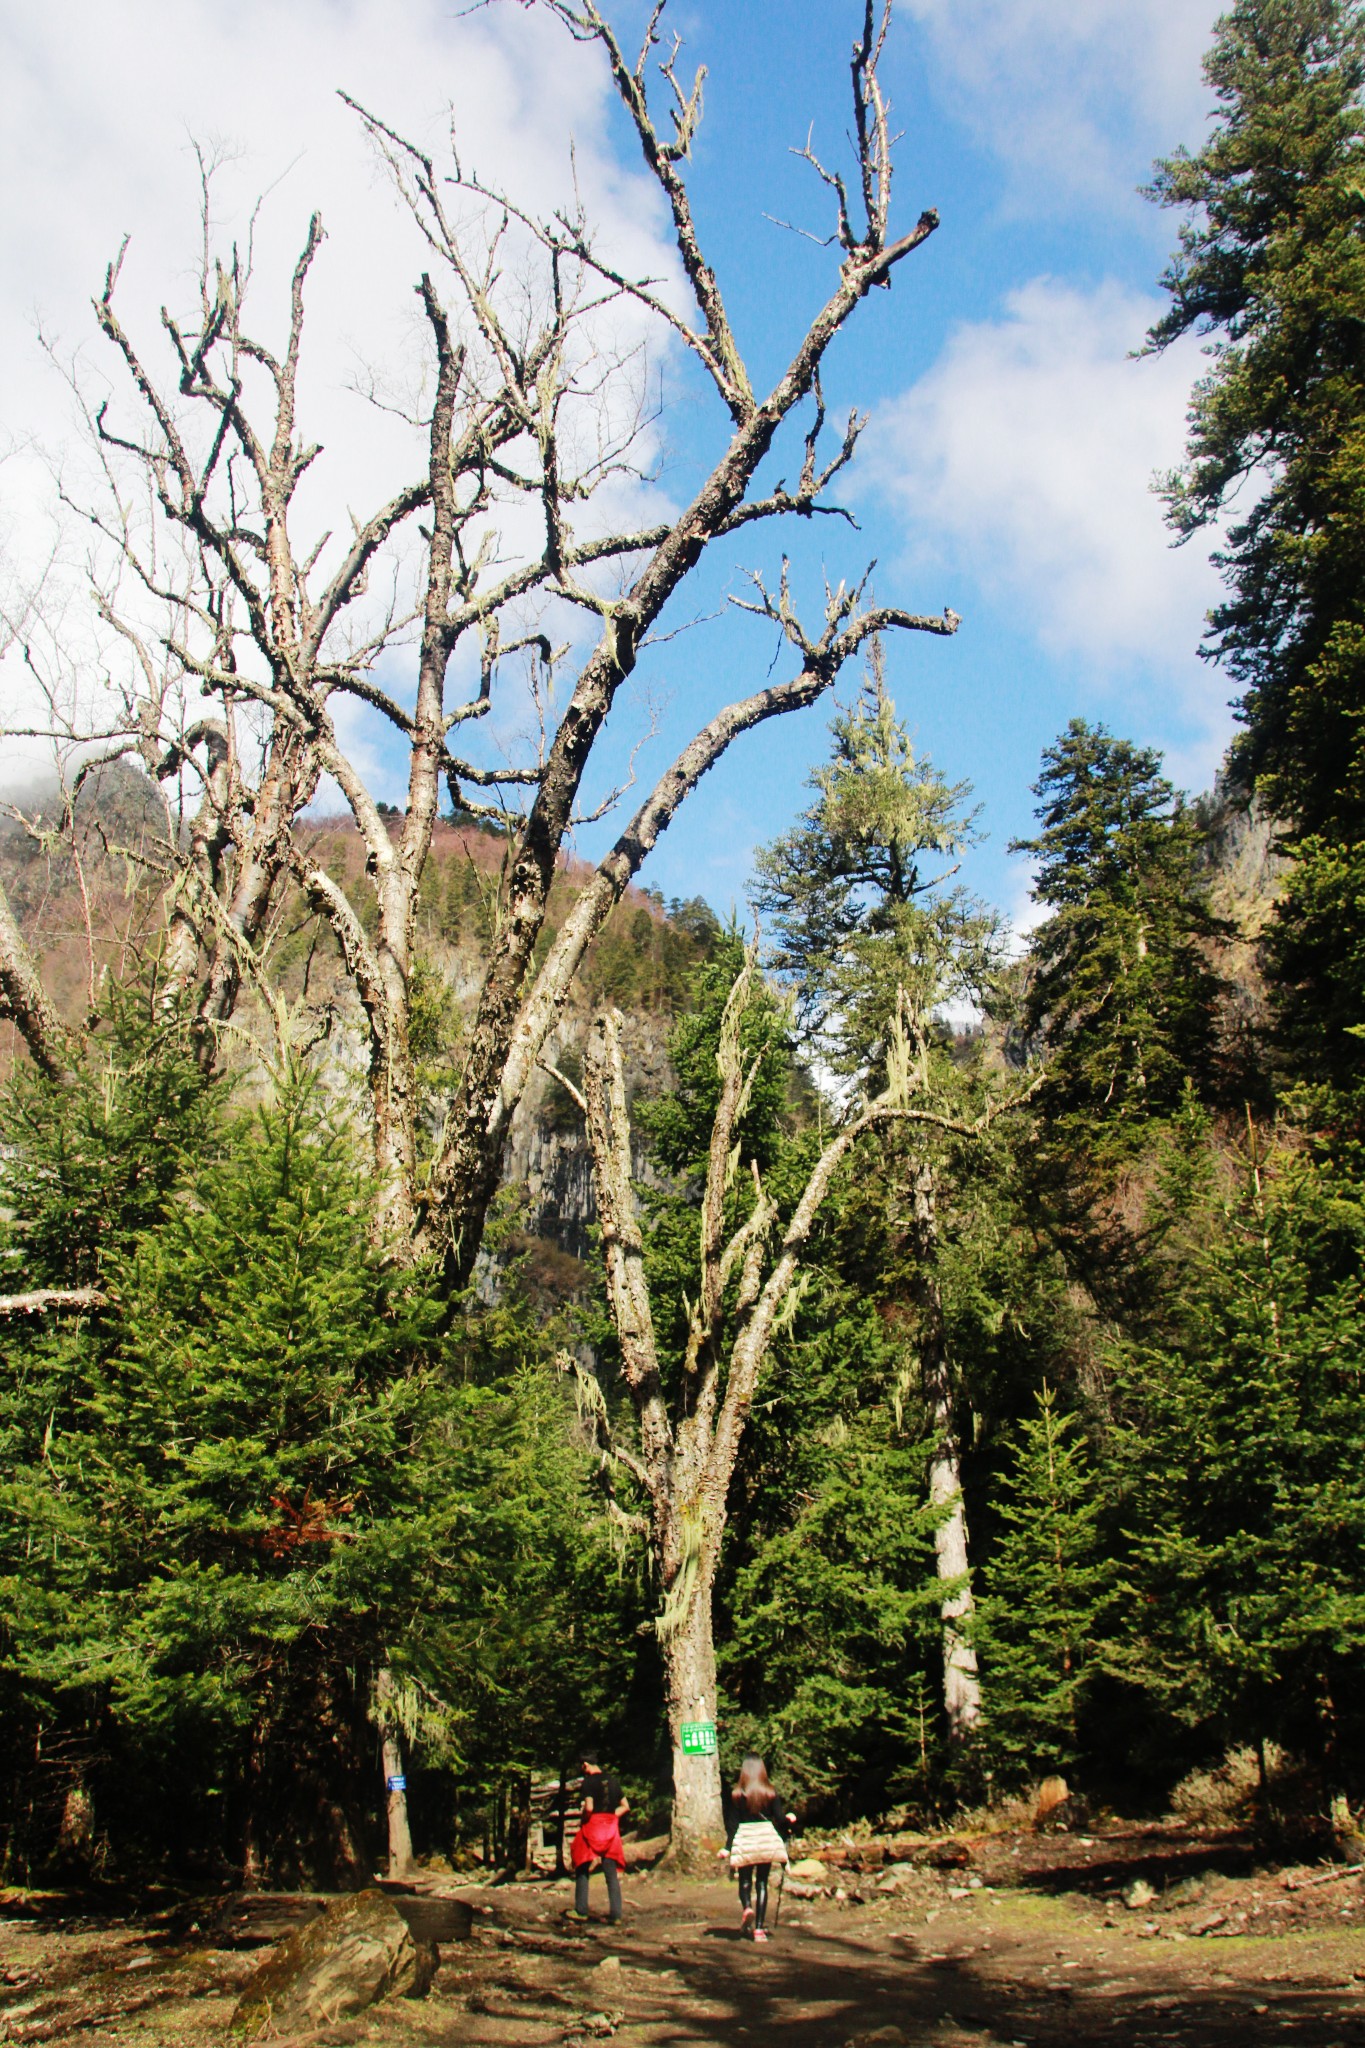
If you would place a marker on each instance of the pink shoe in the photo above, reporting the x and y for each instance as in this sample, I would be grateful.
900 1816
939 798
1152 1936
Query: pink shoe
745 1917
760 1934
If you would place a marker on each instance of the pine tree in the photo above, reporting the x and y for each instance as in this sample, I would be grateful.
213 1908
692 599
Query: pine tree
1271 271
835 1612
1241 1452
252 1457
99 1155
266 1473
1047 1590
88 1162
1119 988
864 921
874 937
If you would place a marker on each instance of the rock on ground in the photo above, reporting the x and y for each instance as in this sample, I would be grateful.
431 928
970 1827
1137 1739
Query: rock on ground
357 1952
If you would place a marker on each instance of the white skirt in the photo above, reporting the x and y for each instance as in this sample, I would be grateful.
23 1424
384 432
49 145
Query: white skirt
756 1841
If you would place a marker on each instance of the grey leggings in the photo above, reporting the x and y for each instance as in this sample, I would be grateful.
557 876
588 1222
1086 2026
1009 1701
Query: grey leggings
757 1877
580 1889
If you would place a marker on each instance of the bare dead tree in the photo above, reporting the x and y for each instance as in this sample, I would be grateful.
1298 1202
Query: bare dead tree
513 1021
687 1445
244 635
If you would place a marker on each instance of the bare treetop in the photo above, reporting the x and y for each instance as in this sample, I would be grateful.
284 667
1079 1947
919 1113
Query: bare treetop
505 542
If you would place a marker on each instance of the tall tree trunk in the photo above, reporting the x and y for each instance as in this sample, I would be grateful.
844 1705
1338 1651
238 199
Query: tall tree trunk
690 1692
253 1844
395 1780
396 1806
686 1467
961 1681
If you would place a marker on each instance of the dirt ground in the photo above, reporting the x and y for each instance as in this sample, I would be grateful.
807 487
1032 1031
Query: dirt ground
1029 1942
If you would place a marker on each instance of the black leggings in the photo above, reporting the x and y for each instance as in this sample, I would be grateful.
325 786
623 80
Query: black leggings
580 1889
757 1877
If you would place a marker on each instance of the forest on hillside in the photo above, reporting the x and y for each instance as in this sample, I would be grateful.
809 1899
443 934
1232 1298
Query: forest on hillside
459 1309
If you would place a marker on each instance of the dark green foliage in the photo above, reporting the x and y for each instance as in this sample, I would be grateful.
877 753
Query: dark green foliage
96 1159
644 962
678 1125
696 919
1048 1586
256 1420
1242 1460
275 1465
1314 947
856 895
1009 1310
1120 989
829 1651
835 1620
232 1504
1272 271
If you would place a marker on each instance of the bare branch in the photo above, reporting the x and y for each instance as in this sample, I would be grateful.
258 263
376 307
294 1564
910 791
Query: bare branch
25 1001
604 1093
574 1093
46 1299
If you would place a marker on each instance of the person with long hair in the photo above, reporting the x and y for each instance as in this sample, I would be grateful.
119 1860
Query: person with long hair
756 1829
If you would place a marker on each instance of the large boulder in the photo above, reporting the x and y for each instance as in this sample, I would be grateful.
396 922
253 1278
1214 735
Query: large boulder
355 1953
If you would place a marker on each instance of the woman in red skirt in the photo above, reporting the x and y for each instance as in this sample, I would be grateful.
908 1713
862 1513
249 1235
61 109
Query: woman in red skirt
598 1840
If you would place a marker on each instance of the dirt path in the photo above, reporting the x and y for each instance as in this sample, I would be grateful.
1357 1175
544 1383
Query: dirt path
1051 1956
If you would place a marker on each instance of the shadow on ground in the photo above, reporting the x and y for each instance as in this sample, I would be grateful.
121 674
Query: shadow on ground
822 1986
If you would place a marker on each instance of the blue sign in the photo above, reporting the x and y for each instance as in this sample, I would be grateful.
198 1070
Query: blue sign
396 1784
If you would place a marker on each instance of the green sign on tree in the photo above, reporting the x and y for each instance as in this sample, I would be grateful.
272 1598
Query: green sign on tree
699 1738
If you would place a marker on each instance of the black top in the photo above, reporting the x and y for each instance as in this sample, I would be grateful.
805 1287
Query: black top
737 1812
601 1792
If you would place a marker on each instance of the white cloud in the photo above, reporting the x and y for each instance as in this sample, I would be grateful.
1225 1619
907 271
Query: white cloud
1078 95
97 107
1024 458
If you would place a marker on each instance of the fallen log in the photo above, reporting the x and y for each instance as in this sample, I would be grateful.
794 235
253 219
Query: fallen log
1302 1884
43 1298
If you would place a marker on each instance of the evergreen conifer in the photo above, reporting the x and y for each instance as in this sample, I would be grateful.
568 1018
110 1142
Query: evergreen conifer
1271 272
1047 1589
271 1467
1240 1457
1119 988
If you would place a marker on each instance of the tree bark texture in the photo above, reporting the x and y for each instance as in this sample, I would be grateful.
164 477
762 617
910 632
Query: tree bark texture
395 1789
961 1679
23 998
689 1655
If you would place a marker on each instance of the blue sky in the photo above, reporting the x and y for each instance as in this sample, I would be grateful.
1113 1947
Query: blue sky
1012 436
1004 342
